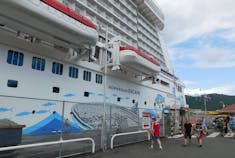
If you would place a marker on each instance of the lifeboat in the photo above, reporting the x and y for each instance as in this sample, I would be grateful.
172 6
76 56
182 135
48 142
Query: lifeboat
141 62
49 20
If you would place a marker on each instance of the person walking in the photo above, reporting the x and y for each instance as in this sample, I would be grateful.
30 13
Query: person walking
155 133
187 132
200 135
228 125
204 126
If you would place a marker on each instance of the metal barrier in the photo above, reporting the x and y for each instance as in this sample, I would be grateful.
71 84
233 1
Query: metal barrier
172 129
180 128
128 133
49 143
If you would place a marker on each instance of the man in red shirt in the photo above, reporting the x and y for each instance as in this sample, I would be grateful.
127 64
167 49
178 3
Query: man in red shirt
155 133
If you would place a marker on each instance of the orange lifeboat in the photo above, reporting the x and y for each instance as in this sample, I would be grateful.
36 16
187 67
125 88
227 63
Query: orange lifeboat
49 20
135 59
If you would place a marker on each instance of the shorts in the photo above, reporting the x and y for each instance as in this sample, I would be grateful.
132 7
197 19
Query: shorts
201 135
187 135
154 137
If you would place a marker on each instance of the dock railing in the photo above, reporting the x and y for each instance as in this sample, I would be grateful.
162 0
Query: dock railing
128 133
49 143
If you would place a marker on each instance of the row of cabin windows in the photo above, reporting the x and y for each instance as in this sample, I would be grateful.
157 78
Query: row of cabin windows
17 58
14 84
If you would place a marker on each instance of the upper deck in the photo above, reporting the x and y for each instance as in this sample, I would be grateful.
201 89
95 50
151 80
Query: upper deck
152 12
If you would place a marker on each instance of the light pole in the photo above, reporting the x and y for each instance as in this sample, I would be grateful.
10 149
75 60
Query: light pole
163 120
104 132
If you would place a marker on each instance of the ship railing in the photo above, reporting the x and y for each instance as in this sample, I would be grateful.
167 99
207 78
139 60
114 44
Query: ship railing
128 133
50 143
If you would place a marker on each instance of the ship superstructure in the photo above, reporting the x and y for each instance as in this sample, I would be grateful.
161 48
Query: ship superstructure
68 65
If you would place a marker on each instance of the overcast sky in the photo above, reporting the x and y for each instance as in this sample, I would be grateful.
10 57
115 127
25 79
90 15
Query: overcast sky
200 36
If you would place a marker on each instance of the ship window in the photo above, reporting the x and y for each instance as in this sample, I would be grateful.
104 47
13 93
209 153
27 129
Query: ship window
12 83
86 94
97 52
56 90
179 88
15 58
98 79
145 103
73 72
57 68
38 63
86 76
118 99
109 56
133 101
164 83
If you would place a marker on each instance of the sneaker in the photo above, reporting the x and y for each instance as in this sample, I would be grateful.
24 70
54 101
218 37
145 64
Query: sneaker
151 147
160 147
200 145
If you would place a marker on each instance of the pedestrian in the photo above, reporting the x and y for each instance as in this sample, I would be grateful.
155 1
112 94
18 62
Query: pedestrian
225 126
187 132
200 130
204 125
155 133
222 126
228 125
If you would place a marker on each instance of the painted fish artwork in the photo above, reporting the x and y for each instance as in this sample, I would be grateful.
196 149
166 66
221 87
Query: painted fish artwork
42 111
69 95
3 109
100 94
48 104
91 93
114 95
25 113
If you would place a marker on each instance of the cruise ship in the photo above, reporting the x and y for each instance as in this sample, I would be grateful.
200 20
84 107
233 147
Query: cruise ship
83 68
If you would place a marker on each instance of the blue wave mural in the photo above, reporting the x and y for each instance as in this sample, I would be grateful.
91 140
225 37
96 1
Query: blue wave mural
51 124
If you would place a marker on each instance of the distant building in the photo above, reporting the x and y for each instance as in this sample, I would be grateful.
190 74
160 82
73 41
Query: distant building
228 109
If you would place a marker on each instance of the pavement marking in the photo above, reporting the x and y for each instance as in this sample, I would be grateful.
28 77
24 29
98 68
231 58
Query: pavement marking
213 135
229 135
176 136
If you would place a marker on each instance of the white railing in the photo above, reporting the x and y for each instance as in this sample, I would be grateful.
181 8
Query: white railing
49 143
128 133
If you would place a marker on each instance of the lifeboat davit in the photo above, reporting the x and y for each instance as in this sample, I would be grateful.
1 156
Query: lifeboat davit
135 59
49 20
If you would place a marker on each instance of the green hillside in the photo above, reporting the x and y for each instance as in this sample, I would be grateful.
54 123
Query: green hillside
214 101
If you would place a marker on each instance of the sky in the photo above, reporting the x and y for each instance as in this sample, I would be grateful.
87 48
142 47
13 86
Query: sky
200 38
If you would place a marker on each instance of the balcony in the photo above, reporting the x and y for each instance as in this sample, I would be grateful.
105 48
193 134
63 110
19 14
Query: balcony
152 12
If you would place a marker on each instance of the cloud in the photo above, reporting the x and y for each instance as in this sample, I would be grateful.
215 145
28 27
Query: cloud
212 57
225 89
187 83
185 19
229 35
208 51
